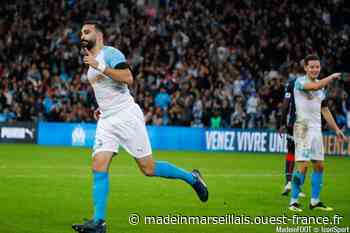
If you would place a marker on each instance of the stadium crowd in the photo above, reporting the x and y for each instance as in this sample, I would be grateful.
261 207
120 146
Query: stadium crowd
196 63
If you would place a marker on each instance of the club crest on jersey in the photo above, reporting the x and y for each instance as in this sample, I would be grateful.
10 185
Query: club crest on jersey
310 96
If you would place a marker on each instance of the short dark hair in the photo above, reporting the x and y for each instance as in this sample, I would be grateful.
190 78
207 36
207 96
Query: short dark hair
310 57
96 23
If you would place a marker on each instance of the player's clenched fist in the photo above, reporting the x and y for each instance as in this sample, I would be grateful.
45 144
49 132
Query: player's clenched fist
90 60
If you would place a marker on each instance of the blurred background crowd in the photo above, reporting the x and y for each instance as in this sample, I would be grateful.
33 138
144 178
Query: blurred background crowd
205 63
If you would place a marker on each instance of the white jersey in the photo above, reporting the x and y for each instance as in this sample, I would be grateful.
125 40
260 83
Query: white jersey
111 96
308 103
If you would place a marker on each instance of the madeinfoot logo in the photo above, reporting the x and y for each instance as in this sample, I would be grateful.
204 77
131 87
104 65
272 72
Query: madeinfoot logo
78 136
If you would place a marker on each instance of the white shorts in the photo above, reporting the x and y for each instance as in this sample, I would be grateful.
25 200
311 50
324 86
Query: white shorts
126 128
308 143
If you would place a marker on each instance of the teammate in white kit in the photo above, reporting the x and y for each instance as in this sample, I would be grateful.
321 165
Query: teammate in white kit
310 103
120 123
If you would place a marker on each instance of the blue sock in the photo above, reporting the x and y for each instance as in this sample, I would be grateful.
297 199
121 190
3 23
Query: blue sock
170 171
100 194
297 181
316 183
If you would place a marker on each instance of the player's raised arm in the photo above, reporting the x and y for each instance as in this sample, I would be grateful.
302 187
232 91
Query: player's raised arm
312 67
120 74
313 86
119 71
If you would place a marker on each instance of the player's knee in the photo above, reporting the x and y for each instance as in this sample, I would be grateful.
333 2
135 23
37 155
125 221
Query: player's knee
302 166
148 171
319 167
99 165
146 165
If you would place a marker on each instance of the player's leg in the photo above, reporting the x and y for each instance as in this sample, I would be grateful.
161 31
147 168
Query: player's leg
149 167
302 156
316 183
289 166
100 165
289 163
317 174
106 145
134 138
100 190
290 160
289 169
298 180
164 169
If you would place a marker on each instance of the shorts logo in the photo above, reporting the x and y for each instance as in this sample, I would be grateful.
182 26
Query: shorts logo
139 149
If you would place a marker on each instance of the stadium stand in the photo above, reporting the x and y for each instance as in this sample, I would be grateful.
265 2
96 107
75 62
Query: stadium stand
197 63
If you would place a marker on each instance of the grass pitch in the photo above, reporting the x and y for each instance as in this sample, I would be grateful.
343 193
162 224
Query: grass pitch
46 189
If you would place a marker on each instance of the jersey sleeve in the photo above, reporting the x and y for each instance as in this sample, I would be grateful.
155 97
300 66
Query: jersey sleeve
113 57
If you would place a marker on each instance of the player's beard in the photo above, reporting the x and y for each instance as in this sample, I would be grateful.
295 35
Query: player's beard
89 44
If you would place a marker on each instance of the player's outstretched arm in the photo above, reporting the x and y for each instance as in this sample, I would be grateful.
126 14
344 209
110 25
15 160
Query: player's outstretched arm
314 86
327 115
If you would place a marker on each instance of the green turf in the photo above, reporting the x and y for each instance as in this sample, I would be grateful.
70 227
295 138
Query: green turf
46 189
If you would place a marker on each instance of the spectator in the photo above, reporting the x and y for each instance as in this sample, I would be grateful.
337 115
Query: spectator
162 99
252 105
226 111
215 120
238 117
182 54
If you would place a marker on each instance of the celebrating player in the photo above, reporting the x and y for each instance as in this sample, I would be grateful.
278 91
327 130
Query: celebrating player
309 100
121 122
